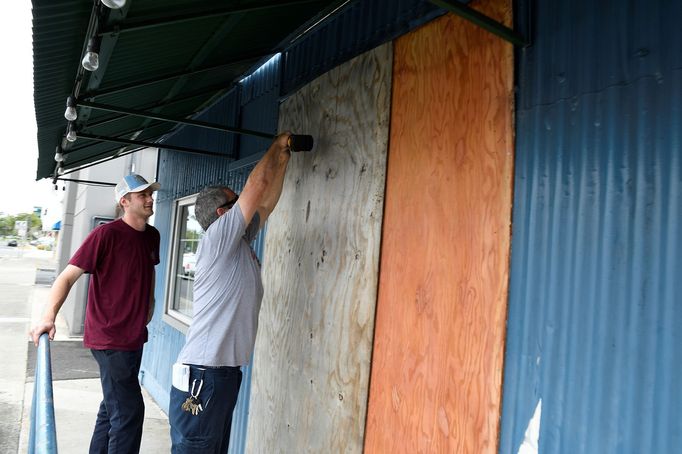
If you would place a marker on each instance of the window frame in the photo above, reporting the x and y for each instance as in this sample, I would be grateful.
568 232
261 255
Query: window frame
176 319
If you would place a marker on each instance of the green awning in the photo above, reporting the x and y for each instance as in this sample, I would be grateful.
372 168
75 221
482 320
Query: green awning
172 58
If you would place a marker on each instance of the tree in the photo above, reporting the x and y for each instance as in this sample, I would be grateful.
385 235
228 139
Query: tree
7 223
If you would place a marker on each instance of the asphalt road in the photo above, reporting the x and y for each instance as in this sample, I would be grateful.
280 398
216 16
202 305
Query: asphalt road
17 275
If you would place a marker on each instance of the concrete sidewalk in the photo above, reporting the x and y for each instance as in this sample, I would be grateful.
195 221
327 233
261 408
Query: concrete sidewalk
76 400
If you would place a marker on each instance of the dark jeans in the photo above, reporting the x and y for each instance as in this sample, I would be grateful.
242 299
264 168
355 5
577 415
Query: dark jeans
209 430
119 421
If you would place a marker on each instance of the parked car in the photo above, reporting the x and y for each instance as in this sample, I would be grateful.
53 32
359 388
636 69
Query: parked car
12 243
45 243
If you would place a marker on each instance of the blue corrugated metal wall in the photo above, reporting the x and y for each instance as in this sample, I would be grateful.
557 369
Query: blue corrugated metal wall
260 91
595 324
356 28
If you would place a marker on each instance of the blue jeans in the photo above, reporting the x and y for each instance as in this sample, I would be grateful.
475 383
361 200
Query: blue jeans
119 421
209 430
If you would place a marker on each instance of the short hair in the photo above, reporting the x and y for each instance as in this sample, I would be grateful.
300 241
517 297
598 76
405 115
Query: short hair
119 207
208 201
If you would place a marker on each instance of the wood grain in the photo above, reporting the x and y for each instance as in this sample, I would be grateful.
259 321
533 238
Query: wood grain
320 272
440 323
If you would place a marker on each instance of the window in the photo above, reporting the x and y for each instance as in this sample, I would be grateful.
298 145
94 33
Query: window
186 236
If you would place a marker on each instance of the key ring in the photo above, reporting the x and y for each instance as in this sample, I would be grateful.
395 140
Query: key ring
194 382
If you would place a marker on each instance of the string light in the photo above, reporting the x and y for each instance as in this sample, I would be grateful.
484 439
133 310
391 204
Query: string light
114 4
58 155
71 135
71 113
91 59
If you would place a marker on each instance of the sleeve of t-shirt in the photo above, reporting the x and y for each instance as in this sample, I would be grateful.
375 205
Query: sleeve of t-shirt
253 228
227 230
157 242
87 255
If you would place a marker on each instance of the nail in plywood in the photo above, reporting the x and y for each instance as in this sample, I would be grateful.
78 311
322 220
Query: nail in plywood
440 322
313 349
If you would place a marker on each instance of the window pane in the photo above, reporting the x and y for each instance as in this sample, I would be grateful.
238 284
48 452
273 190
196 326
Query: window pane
185 253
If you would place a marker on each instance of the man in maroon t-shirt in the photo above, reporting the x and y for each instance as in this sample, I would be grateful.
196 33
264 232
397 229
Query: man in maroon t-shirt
120 257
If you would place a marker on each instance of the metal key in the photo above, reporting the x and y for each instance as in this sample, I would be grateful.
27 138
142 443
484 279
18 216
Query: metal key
188 404
198 407
193 403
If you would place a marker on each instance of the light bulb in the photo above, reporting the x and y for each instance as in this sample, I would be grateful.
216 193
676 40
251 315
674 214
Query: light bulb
90 61
60 170
71 113
58 156
114 4
71 135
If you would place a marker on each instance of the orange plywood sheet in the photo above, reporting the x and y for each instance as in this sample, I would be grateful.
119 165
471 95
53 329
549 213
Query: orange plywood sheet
436 378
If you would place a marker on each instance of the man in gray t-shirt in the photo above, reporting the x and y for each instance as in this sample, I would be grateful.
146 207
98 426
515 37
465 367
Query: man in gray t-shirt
227 297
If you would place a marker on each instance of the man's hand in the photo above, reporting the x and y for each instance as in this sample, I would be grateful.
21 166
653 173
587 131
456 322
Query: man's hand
42 327
282 141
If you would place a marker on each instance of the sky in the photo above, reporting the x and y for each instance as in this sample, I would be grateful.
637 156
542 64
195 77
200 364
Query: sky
19 192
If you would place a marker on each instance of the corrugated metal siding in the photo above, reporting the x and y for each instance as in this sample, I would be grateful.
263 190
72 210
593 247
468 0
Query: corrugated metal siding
225 111
260 92
594 323
358 27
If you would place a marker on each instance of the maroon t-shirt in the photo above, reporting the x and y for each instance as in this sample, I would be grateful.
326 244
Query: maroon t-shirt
121 262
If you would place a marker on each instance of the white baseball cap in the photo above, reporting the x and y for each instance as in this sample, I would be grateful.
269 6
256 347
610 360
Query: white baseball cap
133 183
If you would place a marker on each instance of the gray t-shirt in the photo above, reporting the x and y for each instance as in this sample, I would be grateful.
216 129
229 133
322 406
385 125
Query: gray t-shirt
227 294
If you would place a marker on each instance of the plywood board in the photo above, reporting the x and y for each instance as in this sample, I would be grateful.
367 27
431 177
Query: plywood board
440 323
320 271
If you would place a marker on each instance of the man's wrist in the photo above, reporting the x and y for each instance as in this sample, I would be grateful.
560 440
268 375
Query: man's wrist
48 320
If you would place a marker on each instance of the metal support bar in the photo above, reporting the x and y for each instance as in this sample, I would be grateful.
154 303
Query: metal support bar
118 150
482 21
215 12
151 144
74 180
214 90
155 116
67 153
127 133
143 83
101 161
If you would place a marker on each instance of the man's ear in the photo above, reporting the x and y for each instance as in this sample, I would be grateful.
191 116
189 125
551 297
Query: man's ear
220 211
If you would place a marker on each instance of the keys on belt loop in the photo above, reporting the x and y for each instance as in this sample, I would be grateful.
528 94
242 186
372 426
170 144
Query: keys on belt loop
193 404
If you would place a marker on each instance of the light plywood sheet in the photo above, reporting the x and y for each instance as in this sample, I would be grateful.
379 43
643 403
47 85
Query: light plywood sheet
440 321
320 271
